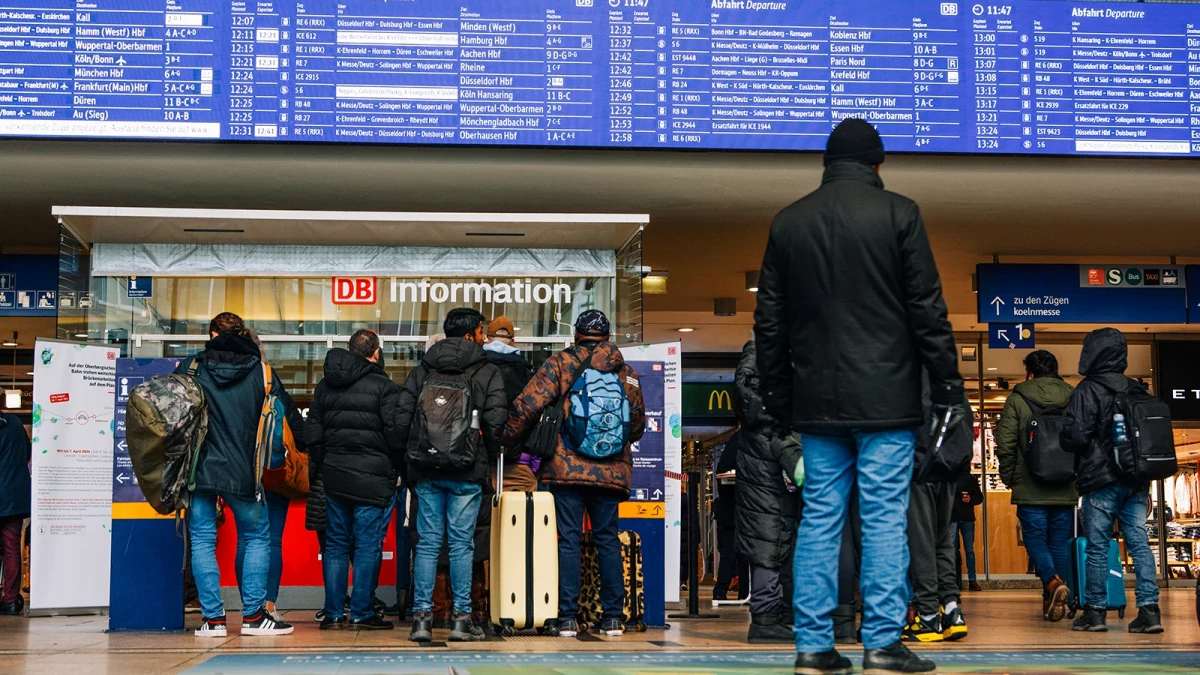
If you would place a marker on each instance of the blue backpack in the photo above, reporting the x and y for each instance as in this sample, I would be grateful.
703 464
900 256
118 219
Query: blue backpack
598 424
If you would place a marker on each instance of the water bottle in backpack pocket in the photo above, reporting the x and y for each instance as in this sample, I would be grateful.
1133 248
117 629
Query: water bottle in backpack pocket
598 423
446 424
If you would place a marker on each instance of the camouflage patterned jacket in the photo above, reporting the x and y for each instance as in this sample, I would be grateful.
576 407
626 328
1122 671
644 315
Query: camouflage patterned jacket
552 381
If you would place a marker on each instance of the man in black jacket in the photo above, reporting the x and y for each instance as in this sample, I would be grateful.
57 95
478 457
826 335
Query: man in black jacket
968 495
849 310
230 373
1087 430
448 499
355 444
767 506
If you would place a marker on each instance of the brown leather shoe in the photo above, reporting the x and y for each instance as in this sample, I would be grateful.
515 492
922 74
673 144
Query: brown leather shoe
1055 606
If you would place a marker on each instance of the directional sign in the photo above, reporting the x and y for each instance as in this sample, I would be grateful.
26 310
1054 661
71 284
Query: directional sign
1109 294
8 299
1010 335
140 287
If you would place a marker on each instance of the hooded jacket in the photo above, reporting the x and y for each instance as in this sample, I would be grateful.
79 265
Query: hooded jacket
352 430
553 380
515 370
1087 422
230 373
1010 450
15 455
457 355
850 309
766 511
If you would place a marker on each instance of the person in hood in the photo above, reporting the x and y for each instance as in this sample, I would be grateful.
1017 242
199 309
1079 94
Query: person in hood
501 349
932 569
15 455
231 374
1046 511
354 441
1087 430
448 500
767 505
578 482
850 310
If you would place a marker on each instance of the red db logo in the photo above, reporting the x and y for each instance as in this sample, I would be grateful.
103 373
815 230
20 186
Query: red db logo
355 290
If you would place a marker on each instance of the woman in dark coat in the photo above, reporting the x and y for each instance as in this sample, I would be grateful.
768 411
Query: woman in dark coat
767 505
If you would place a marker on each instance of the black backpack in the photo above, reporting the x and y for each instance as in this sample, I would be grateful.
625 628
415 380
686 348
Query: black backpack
447 423
1149 452
1043 453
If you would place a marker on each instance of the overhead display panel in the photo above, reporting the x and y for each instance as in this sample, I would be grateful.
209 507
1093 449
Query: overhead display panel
1027 77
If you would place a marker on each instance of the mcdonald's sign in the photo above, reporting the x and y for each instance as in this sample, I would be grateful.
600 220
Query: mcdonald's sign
708 400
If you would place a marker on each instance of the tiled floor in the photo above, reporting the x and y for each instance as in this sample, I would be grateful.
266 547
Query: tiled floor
1006 636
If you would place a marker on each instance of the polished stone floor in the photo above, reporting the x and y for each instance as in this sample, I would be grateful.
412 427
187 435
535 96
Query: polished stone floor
1007 636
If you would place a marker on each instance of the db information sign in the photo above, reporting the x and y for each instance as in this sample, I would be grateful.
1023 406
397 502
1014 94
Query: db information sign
355 290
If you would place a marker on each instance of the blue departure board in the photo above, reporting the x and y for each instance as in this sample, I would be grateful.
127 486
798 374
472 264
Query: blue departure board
1027 77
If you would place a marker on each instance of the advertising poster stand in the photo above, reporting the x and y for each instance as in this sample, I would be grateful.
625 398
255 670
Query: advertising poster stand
146 586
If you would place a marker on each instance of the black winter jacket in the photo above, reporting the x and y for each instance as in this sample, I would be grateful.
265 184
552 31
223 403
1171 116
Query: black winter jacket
850 308
725 506
958 449
1087 421
766 511
515 370
352 434
457 355
231 375
968 488
15 455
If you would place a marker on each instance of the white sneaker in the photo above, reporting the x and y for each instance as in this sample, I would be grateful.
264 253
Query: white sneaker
266 626
212 628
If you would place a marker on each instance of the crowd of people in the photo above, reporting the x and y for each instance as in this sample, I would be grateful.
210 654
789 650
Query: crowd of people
370 442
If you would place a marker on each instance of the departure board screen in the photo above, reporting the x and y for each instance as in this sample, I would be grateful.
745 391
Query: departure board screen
1027 77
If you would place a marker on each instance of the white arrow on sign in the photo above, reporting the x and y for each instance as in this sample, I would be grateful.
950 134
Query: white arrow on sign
1003 334
121 478
122 446
996 302
657 494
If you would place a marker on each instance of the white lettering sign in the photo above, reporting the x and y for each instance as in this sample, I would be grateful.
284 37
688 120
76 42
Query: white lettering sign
518 291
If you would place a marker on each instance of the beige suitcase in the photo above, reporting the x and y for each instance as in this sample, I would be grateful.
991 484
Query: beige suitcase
524 559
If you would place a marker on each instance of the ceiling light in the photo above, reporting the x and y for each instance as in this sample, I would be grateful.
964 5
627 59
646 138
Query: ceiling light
685 330
655 283
81 336
12 342
725 306
752 281
31 373
991 369
12 399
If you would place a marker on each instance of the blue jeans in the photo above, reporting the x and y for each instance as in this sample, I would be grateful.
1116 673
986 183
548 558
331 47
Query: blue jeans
883 464
1047 533
277 510
445 507
602 507
1126 504
403 543
364 526
966 530
253 533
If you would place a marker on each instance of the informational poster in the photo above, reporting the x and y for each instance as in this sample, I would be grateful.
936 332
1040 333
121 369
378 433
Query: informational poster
73 425
129 374
648 461
669 354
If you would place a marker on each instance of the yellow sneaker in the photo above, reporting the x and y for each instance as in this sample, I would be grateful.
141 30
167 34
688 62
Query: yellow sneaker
919 631
954 624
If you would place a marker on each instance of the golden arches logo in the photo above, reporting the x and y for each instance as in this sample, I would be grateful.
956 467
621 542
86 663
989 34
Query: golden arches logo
722 400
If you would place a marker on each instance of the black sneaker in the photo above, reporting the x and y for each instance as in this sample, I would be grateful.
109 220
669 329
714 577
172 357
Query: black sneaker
14 608
567 628
264 625
422 628
373 622
320 615
954 624
1092 621
823 663
330 623
897 658
768 629
921 631
464 629
1149 620
612 627
212 628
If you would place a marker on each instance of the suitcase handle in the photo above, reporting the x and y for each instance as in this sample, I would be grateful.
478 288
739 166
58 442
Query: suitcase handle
500 473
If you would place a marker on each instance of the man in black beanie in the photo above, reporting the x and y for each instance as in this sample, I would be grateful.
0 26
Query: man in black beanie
850 310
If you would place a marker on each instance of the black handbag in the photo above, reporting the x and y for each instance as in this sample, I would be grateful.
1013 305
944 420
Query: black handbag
544 439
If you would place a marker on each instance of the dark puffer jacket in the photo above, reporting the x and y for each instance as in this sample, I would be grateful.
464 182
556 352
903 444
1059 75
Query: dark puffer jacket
1087 422
552 381
15 455
352 435
1011 443
766 511
457 355
230 373
850 308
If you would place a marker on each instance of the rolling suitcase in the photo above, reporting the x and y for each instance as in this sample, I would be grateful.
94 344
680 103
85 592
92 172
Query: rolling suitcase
591 611
524 559
1078 573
